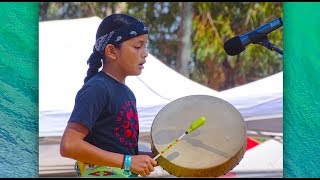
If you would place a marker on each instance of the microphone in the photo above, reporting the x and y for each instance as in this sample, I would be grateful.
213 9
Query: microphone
238 44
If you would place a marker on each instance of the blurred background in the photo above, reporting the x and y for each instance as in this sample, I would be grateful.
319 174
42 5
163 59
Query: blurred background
188 36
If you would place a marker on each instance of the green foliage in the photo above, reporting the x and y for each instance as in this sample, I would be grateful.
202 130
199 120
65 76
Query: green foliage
162 19
71 10
213 24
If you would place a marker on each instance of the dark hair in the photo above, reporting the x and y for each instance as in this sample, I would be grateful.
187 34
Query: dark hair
108 24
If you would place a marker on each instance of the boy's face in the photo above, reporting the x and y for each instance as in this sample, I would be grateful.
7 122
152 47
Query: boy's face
132 55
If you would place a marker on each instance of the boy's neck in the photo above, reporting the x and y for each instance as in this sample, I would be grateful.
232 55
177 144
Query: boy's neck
114 74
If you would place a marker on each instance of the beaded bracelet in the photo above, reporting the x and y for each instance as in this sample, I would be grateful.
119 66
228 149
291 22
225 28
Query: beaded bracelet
127 164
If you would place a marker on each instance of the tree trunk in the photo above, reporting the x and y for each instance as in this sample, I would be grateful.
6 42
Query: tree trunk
43 10
108 10
228 74
215 74
184 47
180 43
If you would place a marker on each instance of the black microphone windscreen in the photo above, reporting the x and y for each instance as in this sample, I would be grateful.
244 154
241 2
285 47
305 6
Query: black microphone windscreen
233 46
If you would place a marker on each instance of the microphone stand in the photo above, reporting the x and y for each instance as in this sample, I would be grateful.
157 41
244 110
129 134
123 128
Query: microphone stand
266 43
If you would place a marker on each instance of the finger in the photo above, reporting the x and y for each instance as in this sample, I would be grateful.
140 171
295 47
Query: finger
143 174
150 167
147 171
154 162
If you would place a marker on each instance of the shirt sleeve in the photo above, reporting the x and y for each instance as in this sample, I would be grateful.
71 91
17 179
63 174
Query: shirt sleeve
90 100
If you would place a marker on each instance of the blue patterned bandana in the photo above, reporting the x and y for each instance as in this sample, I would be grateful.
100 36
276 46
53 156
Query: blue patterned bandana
118 36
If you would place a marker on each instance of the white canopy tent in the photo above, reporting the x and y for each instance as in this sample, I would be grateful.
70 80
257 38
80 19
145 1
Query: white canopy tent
264 160
64 47
261 104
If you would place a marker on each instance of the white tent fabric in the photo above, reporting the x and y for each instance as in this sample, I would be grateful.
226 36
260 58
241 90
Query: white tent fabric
260 103
265 94
64 47
264 160
272 158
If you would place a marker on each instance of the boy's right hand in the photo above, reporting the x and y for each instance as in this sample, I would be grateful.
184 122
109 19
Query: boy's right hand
142 164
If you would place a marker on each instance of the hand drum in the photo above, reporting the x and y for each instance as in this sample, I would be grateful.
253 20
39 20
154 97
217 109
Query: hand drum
211 150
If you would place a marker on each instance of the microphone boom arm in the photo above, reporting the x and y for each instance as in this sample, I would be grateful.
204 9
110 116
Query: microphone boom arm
266 43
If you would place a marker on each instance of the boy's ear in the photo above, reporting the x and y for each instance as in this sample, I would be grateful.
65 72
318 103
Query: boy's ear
110 52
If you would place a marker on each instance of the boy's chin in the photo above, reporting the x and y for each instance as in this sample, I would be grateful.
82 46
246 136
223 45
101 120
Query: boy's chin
136 73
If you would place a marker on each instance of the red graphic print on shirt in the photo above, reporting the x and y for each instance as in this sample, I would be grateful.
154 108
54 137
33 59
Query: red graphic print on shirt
127 125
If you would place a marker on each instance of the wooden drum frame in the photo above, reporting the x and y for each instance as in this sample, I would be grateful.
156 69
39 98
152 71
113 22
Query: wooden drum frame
212 150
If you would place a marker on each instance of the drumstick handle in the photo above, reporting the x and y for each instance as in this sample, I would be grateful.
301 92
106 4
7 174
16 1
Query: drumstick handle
169 146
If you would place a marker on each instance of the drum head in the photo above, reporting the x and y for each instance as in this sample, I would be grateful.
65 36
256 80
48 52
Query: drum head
211 150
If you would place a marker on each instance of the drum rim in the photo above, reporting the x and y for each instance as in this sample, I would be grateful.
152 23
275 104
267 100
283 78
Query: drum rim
203 95
215 171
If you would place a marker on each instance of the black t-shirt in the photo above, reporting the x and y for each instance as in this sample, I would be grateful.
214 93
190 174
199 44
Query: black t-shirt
108 109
